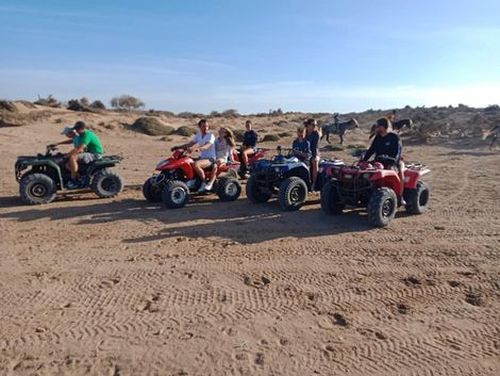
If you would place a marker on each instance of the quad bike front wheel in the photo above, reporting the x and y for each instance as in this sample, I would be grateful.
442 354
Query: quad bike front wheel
293 193
331 202
36 189
106 183
382 207
228 189
175 194
151 191
417 200
255 193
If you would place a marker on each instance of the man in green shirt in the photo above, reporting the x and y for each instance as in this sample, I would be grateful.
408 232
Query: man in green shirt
89 149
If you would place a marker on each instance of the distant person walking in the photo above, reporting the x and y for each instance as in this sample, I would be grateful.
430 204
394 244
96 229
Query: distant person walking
493 134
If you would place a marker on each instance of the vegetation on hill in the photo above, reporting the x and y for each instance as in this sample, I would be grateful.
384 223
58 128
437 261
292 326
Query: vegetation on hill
151 126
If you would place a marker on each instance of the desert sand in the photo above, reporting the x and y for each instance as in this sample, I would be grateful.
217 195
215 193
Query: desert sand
123 287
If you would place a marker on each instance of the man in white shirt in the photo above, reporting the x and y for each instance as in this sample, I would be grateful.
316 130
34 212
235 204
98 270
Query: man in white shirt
204 142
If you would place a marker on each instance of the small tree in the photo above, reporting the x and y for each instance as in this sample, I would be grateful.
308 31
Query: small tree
126 102
230 113
84 101
97 105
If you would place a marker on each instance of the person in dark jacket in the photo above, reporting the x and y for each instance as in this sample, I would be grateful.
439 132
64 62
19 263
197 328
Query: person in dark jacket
250 139
389 144
313 137
301 148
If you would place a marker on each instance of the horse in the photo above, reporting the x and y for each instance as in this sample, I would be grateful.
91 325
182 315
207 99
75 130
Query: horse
396 125
400 124
339 129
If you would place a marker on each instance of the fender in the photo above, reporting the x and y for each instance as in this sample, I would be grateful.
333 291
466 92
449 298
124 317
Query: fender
184 164
412 177
387 178
52 166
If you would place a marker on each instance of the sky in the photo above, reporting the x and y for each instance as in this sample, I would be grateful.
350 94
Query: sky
254 55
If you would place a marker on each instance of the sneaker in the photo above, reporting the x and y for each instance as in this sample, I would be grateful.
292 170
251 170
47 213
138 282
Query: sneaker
209 186
403 202
73 184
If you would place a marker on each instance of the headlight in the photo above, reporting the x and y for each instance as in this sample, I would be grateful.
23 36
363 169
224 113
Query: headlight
347 176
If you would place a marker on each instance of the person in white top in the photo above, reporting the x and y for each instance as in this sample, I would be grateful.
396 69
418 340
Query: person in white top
204 142
224 147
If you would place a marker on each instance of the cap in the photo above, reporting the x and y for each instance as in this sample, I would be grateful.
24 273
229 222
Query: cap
79 125
67 130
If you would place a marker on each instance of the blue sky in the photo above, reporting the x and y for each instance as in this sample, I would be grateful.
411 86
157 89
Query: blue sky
322 55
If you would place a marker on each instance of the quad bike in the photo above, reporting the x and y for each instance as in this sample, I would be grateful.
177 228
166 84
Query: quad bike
41 176
174 180
371 185
285 176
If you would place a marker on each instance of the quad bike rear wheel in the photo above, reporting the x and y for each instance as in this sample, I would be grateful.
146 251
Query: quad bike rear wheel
382 207
293 193
255 193
331 202
228 189
36 189
151 192
106 183
417 200
175 194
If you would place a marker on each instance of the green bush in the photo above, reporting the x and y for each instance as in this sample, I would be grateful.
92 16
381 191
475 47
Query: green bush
97 105
185 131
77 105
126 102
151 126
271 138
230 113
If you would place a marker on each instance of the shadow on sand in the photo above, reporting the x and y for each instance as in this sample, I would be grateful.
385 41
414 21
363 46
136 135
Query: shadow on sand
239 221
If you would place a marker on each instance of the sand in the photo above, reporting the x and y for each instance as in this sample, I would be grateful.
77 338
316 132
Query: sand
123 287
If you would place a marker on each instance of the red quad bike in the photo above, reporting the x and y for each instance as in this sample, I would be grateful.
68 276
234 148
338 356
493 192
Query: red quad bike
174 179
370 185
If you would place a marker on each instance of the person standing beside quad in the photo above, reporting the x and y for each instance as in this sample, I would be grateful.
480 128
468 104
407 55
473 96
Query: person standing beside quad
204 141
313 137
250 139
88 149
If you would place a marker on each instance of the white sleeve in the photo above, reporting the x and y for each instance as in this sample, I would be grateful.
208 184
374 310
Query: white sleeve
211 139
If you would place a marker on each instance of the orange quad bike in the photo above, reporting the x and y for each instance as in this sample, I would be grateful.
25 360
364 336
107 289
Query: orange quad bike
378 188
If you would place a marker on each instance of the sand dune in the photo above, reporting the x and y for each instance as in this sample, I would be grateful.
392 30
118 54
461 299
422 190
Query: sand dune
123 287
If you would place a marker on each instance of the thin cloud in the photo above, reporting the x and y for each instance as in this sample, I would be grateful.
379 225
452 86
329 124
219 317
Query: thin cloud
45 12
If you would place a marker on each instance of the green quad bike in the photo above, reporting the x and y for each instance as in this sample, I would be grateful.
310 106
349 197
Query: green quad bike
41 176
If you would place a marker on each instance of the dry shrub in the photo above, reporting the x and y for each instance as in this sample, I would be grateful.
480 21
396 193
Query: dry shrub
8 106
271 138
151 126
48 101
185 131
238 134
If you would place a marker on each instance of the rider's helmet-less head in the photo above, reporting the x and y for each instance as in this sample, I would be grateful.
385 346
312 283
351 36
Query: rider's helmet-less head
382 125
79 126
